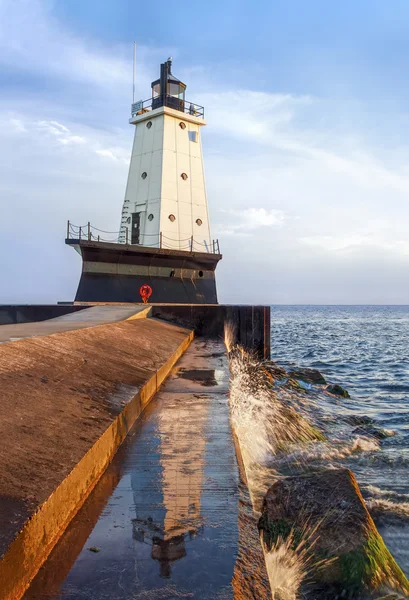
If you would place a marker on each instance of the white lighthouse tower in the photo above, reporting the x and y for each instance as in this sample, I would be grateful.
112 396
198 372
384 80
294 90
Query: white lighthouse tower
165 202
164 240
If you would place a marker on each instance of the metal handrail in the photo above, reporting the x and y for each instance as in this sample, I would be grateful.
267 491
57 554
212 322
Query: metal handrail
93 234
184 106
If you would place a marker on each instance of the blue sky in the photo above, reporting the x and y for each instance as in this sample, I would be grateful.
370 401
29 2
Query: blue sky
306 148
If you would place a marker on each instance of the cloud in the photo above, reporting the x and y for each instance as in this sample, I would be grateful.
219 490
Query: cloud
245 222
357 241
317 185
31 39
117 154
60 132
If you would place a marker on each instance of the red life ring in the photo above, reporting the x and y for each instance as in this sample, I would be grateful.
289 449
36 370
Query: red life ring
145 292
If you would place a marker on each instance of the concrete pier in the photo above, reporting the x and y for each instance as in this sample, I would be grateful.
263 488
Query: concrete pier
170 527
89 316
68 401
250 324
73 387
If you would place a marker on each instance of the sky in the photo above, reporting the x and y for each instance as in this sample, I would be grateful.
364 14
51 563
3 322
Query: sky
306 149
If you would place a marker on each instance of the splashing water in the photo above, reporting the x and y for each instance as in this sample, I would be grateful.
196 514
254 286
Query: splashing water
280 434
264 426
286 569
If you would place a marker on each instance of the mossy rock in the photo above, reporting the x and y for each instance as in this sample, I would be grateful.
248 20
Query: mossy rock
276 371
295 429
372 431
345 550
294 384
358 420
308 375
337 390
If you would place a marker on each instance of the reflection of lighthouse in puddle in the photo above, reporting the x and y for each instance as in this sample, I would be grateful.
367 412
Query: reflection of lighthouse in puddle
173 493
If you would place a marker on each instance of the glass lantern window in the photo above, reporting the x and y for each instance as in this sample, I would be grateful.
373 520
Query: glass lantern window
156 90
176 90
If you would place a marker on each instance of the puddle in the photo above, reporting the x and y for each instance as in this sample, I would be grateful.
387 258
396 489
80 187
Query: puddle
207 377
162 522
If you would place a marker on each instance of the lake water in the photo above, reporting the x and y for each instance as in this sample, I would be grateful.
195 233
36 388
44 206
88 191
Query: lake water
366 350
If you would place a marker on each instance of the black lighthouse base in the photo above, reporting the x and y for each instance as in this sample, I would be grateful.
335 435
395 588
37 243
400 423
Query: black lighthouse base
115 273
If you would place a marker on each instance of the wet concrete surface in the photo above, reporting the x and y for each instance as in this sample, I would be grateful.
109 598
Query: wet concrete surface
163 520
88 317
59 395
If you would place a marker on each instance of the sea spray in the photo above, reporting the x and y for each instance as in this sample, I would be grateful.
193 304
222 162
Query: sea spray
264 425
274 434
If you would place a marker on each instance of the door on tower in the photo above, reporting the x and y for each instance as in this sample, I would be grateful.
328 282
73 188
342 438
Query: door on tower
136 228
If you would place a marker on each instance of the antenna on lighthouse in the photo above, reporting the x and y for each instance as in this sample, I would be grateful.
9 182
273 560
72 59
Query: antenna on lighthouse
134 72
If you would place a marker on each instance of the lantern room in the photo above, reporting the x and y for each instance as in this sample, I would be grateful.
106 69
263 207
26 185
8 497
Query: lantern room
168 90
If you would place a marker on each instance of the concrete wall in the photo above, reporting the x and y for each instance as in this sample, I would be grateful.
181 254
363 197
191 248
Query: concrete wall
250 324
30 313
71 401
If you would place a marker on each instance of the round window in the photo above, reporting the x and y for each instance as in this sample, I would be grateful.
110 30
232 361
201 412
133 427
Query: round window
149 124
172 218
199 222
182 125
200 273
150 217
184 176
144 175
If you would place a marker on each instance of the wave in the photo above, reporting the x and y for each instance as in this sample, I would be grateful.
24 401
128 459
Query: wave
382 509
393 387
324 452
377 492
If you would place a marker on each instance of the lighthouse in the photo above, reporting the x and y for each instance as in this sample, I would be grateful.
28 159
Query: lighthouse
165 201
164 238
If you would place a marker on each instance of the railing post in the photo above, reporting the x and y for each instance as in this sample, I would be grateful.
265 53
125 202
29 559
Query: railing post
160 240
79 233
191 244
89 231
68 230
98 237
126 235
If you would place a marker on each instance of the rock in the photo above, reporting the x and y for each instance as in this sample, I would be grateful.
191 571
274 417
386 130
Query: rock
358 420
308 375
94 549
337 390
323 517
276 371
373 431
294 429
293 384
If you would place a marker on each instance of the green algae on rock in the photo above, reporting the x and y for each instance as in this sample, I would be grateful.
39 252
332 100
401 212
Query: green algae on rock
345 549
337 390
308 375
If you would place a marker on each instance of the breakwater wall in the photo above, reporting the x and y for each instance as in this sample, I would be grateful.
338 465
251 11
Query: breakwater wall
249 325
30 313
68 401
73 385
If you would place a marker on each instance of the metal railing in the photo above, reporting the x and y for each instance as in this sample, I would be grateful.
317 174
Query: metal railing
184 106
156 240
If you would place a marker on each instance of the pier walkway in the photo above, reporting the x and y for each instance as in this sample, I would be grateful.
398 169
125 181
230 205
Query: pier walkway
163 522
88 317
